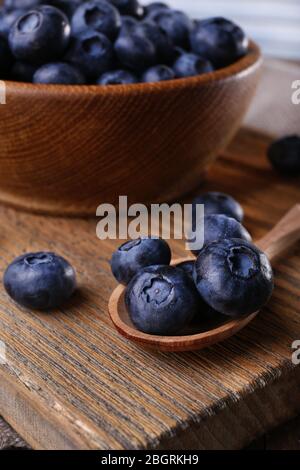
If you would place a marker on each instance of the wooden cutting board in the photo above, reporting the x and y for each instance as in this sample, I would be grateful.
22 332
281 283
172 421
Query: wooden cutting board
71 381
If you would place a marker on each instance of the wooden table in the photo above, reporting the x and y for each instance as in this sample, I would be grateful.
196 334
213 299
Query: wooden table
71 381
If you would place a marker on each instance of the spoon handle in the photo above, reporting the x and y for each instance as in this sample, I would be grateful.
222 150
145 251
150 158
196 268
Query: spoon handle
285 234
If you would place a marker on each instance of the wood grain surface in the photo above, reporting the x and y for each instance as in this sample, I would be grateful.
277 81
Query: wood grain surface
66 149
71 381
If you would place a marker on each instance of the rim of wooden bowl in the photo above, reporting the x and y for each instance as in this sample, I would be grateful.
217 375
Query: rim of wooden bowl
178 343
244 65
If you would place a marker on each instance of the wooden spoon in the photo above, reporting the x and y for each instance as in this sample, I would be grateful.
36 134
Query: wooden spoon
284 235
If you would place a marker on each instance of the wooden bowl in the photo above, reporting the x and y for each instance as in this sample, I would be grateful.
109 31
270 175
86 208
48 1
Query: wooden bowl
67 149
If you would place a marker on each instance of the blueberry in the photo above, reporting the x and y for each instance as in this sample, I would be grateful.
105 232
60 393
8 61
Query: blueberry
58 73
8 18
234 277
165 51
158 73
284 154
128 24
134 255
128 7
218 227
22 72
220 203
41 35
97 15
92 52
67 6
219 40
154 8
188 267
135 52
189 65
6 59
19 4
176 25
117 77
161 301
40 281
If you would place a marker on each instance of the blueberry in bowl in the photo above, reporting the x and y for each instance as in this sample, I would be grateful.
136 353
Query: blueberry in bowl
40 35
219 40
92 52
129 7
40 281
176 24
161 301
234 277
284 155
158 73
136 52
117 77
135 255
7 19
58 73
191 65
97 15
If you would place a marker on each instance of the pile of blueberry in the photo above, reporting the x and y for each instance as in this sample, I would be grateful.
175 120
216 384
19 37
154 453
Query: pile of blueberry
230 275
111 42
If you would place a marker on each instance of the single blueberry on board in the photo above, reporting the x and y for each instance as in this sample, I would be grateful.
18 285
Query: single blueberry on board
284 155
117 77
59 73
219 40
190 65
97 15
158 73
134 255
40 36
40 281
234 277
92 53
219 203
161 301
218 227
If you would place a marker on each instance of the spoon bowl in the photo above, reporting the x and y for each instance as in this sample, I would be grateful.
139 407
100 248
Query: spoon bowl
204 334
